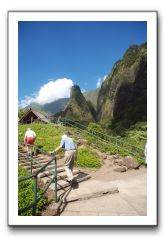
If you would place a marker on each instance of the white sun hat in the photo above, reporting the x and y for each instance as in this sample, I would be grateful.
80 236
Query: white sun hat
64 136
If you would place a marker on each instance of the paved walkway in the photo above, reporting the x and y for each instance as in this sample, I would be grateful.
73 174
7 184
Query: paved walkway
130 201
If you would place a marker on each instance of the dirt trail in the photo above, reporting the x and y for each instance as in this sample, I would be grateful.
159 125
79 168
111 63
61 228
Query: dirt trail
130 201
107 173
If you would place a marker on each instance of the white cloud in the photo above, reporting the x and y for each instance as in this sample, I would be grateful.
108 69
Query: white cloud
27 101
83 90
49 92
54 90
100 81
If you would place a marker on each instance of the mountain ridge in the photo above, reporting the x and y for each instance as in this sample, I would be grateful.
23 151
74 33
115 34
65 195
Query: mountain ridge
117 96
122 98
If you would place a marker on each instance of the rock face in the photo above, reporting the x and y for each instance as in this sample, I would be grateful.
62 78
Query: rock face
92 96
128 162
121 169
123 94
77 107
52 107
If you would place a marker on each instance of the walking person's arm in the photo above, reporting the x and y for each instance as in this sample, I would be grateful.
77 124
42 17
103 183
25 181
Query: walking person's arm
55 150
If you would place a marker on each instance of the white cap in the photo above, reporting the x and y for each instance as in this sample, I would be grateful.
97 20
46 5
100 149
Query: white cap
64 136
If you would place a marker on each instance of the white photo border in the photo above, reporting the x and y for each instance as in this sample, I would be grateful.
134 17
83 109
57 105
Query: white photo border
13 18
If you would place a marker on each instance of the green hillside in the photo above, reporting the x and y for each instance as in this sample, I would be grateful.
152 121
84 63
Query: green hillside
122 98
49 137
78 108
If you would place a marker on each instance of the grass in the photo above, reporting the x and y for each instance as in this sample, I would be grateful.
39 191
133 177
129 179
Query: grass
26 195
126 144
88 159
49 137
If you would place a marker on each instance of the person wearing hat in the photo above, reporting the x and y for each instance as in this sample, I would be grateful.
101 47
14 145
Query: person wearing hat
70 155
29 139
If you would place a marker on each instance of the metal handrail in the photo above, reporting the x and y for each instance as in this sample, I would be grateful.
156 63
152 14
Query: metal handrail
34 160
34 176
67 121
103 134
39 149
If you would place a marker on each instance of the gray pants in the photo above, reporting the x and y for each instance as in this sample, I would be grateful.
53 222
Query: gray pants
70 157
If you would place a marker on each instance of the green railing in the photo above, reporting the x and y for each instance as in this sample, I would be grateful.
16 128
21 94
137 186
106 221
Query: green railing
115 142
34 176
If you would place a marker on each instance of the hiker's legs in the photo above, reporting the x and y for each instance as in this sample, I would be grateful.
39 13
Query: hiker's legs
69 163
29 145
69 173
28 149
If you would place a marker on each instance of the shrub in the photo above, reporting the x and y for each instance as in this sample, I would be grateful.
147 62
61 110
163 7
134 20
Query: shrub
26 195
96 130
87 158
95 126
49 136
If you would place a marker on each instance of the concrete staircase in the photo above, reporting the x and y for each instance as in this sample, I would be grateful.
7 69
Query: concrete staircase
44 177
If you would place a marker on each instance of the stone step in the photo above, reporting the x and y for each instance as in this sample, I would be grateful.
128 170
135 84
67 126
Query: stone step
27 160
64 187
42 159
36 168
60 169
26 163
20 147
62 175
63 183
22 154
22 151
91 189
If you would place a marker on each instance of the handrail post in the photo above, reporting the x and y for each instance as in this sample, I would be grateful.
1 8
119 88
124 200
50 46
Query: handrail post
55 188
35 195
31 162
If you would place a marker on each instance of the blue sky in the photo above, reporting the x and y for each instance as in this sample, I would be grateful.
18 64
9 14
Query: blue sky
55 55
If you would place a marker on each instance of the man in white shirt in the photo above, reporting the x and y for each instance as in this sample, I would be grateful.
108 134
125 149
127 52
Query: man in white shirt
29 139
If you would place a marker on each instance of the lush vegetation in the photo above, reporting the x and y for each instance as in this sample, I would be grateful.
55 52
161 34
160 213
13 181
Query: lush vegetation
118 105
87 158
22 112
122 99
26 195
49 137
77 107
129 142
